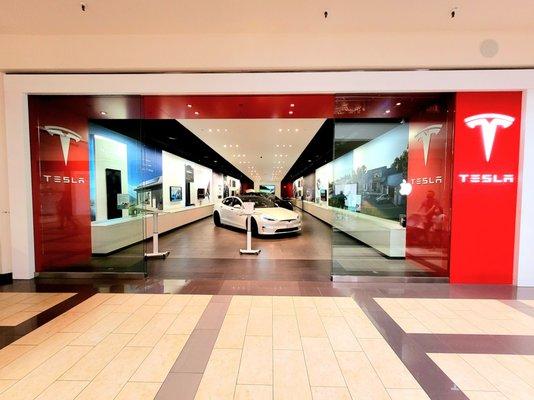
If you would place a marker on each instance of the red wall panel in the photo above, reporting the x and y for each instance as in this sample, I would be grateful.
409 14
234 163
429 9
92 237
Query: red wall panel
62 222
485 187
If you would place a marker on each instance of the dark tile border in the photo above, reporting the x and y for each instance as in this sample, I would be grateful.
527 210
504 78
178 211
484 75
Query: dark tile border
184 378
6 279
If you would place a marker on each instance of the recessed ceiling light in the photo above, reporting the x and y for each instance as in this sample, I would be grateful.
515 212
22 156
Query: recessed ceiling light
283 145
388 111
279 129
230 145
209 129
103 113
296 129
398 104
290 145
236 145
196 112
224 146
291 105
172 138
189 106
277 145
290 112
276 155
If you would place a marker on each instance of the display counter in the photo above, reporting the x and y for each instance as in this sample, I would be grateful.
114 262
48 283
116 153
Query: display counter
386 236
111 235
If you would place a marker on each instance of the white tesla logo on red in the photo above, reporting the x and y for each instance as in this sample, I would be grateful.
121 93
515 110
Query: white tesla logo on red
425 136
65 136
488 124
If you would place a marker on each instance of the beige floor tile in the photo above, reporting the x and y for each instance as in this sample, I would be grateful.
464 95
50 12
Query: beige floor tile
260 322
283 305
176 303
91 303
393 308
256 361
345 302
412 325
461 373
49 302
330 393
18 318
360 325
473 395
200 300
408 394
286 333
159 362
432 322
100 330
186 320
137 320
6 383
110 381
390 369
232 333
220 376
253 392
240 305
262 301
362 380
45 374
519 365
323 368
340 335
88 367
138 391
12 352
27 362
158 300
42 333
326 306
119 298
134 303
290 376
153 330
63 390
502 378
303 301
310 324
86 321
12 309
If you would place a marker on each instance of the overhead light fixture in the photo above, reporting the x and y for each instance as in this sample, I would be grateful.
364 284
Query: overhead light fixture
236 145
279 129
291 105
209 129
388 111
290 112
224 145
189 106
398 104
196 112
296 129
290 145
103 113
277 145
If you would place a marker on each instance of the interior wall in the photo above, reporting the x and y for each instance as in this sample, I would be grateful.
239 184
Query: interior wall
239 51
5 242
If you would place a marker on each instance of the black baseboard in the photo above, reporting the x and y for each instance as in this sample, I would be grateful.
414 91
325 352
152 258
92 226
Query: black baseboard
6 279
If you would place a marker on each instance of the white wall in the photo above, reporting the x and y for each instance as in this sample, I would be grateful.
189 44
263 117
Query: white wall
325 174
525 226
173 168
108 154
5 241
276 186
217 187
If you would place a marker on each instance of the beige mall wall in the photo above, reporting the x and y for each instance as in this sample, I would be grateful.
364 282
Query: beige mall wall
240 52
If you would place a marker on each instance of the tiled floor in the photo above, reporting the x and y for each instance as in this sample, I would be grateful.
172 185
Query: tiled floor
16 308
345 341
457 316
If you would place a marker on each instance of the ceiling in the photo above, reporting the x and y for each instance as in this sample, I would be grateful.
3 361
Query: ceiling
169 135
264 149
274 16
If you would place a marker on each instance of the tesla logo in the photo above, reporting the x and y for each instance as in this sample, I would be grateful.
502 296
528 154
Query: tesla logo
486 178
489 123
65 136
425 136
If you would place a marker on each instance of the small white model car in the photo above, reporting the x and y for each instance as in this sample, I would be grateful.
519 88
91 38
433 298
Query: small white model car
268 218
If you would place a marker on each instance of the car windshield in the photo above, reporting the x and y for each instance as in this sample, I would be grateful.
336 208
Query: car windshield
259 201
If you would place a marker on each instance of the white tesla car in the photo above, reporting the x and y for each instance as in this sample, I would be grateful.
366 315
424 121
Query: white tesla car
268 218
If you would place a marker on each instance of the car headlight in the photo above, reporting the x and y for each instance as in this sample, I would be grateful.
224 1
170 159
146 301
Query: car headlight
267 218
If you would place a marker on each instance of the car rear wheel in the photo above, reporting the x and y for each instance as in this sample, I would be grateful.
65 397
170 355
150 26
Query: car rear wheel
254 227
216 219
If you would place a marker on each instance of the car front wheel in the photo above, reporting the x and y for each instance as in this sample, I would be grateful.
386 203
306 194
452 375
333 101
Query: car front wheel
216 219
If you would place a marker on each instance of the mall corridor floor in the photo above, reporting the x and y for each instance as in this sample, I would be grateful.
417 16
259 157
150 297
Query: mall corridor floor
204 339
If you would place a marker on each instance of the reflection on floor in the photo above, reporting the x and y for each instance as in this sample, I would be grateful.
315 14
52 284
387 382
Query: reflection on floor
16 308
346 341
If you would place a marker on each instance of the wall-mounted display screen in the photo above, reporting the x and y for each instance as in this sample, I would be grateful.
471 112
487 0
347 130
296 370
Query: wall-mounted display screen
267 189
323 194
175 193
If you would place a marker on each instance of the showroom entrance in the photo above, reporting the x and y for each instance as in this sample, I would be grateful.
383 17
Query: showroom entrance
345 186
